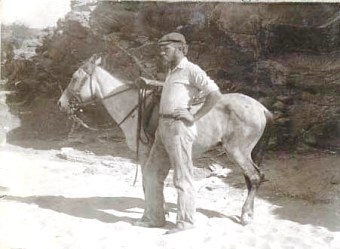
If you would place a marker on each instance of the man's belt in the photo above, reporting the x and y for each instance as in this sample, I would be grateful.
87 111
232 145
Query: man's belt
171 116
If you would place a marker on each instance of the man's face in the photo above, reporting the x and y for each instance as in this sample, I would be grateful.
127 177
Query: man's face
168 52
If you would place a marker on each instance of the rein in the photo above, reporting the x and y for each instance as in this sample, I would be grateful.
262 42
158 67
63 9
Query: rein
77 104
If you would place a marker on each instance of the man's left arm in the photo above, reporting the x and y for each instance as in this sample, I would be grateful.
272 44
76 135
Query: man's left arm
210 101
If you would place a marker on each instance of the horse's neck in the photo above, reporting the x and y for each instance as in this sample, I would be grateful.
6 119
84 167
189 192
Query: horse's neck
119 108
120 105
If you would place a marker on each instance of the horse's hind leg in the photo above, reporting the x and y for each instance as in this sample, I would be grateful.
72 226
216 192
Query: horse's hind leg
252 177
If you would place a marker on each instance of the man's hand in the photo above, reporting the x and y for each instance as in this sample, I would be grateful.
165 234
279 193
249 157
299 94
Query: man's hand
185 115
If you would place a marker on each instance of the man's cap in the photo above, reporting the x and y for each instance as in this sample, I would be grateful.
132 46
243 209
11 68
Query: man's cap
170 38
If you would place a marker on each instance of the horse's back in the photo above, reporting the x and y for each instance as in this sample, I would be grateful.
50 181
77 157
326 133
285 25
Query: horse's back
244 108
243 117
235 117
242 100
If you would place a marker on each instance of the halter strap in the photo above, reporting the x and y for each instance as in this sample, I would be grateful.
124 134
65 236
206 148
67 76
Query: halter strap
76 95
76 91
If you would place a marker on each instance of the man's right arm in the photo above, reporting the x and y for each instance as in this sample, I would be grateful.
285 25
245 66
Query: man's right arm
150 82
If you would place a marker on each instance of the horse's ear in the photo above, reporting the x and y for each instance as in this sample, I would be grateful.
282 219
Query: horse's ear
98 61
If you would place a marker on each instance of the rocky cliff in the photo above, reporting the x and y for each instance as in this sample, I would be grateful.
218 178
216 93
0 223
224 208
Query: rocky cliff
285 55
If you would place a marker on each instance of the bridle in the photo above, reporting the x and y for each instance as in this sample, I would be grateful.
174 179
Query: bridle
77 104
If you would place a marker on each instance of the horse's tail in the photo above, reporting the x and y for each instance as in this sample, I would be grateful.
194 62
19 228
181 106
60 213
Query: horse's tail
269 116
258 152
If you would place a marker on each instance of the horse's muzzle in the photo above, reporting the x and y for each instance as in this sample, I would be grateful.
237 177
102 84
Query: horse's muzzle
62 107
59 105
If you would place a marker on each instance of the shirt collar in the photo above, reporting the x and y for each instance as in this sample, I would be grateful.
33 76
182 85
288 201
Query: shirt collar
181 65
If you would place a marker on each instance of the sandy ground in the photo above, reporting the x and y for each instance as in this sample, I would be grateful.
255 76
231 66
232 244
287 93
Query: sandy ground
77 196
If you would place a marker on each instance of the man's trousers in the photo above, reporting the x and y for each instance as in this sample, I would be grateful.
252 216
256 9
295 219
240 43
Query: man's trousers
172 148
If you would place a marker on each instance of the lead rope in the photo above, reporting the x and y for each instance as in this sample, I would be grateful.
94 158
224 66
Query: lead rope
141 99
138 132
141 108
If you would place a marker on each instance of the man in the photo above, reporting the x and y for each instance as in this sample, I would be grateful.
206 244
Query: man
175 135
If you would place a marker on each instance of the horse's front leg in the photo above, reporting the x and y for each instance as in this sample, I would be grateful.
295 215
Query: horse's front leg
166 211
154 174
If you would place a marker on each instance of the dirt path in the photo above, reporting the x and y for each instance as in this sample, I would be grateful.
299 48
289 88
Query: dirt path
83 197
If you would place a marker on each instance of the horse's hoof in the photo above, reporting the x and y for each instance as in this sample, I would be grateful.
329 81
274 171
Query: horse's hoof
246 219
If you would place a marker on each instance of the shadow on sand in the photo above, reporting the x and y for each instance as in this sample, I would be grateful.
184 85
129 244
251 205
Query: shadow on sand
94 207
286 208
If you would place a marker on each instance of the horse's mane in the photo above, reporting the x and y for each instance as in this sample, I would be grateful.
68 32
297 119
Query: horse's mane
127 82
91 64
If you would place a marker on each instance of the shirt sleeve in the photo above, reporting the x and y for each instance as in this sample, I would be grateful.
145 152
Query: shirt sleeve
202 81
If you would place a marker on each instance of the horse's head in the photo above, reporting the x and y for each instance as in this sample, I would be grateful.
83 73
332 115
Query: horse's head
82 87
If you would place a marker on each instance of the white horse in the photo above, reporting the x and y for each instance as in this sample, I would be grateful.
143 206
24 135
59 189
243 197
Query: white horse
237 122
